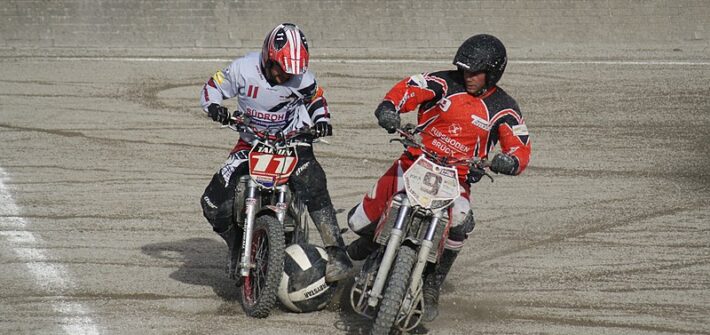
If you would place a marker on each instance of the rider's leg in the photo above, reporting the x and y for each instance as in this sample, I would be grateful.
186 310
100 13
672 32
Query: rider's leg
218 205
364 245
339 265
309 183
436 273
363 218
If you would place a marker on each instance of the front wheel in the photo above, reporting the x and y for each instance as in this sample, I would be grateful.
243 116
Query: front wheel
395 290
267 252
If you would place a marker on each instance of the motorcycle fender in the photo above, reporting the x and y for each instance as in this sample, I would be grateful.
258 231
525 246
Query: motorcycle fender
413 241
267 210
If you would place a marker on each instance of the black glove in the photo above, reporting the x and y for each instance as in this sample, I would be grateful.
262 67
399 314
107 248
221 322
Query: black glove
218 113
505 164
387 117
323 129
475 173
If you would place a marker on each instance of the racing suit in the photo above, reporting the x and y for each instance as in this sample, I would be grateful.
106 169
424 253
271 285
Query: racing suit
297 103
455 123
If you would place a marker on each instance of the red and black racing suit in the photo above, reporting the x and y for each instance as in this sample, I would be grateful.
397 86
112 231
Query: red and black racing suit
457 124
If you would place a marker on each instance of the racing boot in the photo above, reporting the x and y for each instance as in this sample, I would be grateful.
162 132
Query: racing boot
433 282
339 265
233 237
359 249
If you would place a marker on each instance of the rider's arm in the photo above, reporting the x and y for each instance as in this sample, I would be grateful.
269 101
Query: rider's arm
418 89
317 107
514 138
221 85
313 99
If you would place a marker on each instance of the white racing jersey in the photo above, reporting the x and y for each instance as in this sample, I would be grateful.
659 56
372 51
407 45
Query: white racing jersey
292 105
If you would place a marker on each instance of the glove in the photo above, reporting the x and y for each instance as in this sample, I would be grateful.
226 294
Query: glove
475 173
218 113
323 129
505 164
387 117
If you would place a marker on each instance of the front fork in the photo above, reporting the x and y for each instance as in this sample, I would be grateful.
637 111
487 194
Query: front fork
414 289
412 307
393 244
424 249
281 204
250 204
250 210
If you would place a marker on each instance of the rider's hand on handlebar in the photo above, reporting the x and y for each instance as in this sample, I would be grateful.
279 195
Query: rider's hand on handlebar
475 173
322 129
387 117
218 113
505 164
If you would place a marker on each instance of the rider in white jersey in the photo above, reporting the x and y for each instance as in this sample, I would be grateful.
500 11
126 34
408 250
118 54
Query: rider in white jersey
277 92
277 107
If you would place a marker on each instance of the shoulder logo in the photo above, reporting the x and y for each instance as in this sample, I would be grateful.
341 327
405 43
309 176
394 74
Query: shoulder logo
480 122
417 80
520 130
444 104
218 77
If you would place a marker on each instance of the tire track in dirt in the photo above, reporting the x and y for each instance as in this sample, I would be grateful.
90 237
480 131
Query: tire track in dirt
105 140
594 227
494 310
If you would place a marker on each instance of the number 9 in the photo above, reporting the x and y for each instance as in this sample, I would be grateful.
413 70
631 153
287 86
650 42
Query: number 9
433 181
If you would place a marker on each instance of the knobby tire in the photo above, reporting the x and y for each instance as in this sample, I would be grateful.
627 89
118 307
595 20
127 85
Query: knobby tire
394 290
259 289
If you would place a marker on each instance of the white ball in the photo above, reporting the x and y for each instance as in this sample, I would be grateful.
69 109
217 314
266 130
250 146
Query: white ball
303 287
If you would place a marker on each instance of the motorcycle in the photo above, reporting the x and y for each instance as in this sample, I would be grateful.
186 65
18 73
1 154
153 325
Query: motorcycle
411 232
270 215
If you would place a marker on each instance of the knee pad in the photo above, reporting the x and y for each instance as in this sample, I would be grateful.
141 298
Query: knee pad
459 233
359 223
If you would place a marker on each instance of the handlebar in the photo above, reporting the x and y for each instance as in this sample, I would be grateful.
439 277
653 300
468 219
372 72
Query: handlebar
241 124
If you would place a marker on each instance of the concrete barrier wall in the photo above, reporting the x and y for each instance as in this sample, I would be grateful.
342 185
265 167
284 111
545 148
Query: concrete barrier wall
357 27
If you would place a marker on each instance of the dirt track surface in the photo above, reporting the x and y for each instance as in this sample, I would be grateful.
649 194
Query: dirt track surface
607 232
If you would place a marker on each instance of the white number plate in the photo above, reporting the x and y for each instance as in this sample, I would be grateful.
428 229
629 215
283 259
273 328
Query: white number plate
430 185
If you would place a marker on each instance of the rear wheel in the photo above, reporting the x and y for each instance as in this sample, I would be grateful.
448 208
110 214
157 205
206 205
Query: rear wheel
395 290
267 248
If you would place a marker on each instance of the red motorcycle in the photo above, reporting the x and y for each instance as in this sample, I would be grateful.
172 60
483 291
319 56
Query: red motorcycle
411 232
270 215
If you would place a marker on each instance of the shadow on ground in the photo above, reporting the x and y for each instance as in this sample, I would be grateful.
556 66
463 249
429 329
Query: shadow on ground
202 263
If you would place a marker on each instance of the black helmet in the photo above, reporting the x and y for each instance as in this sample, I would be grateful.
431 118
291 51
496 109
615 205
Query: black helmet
482 53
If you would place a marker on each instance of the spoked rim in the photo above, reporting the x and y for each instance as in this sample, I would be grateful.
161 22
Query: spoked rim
254 283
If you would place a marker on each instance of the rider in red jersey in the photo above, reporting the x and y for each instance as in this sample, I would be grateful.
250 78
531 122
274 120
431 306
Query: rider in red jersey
464 114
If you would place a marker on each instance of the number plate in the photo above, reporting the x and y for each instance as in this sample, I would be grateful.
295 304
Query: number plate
430 185
269 167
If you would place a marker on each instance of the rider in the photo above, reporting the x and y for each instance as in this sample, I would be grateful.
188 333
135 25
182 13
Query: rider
275 91
463 114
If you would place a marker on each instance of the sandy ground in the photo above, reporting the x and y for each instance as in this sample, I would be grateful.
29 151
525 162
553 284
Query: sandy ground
607 232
